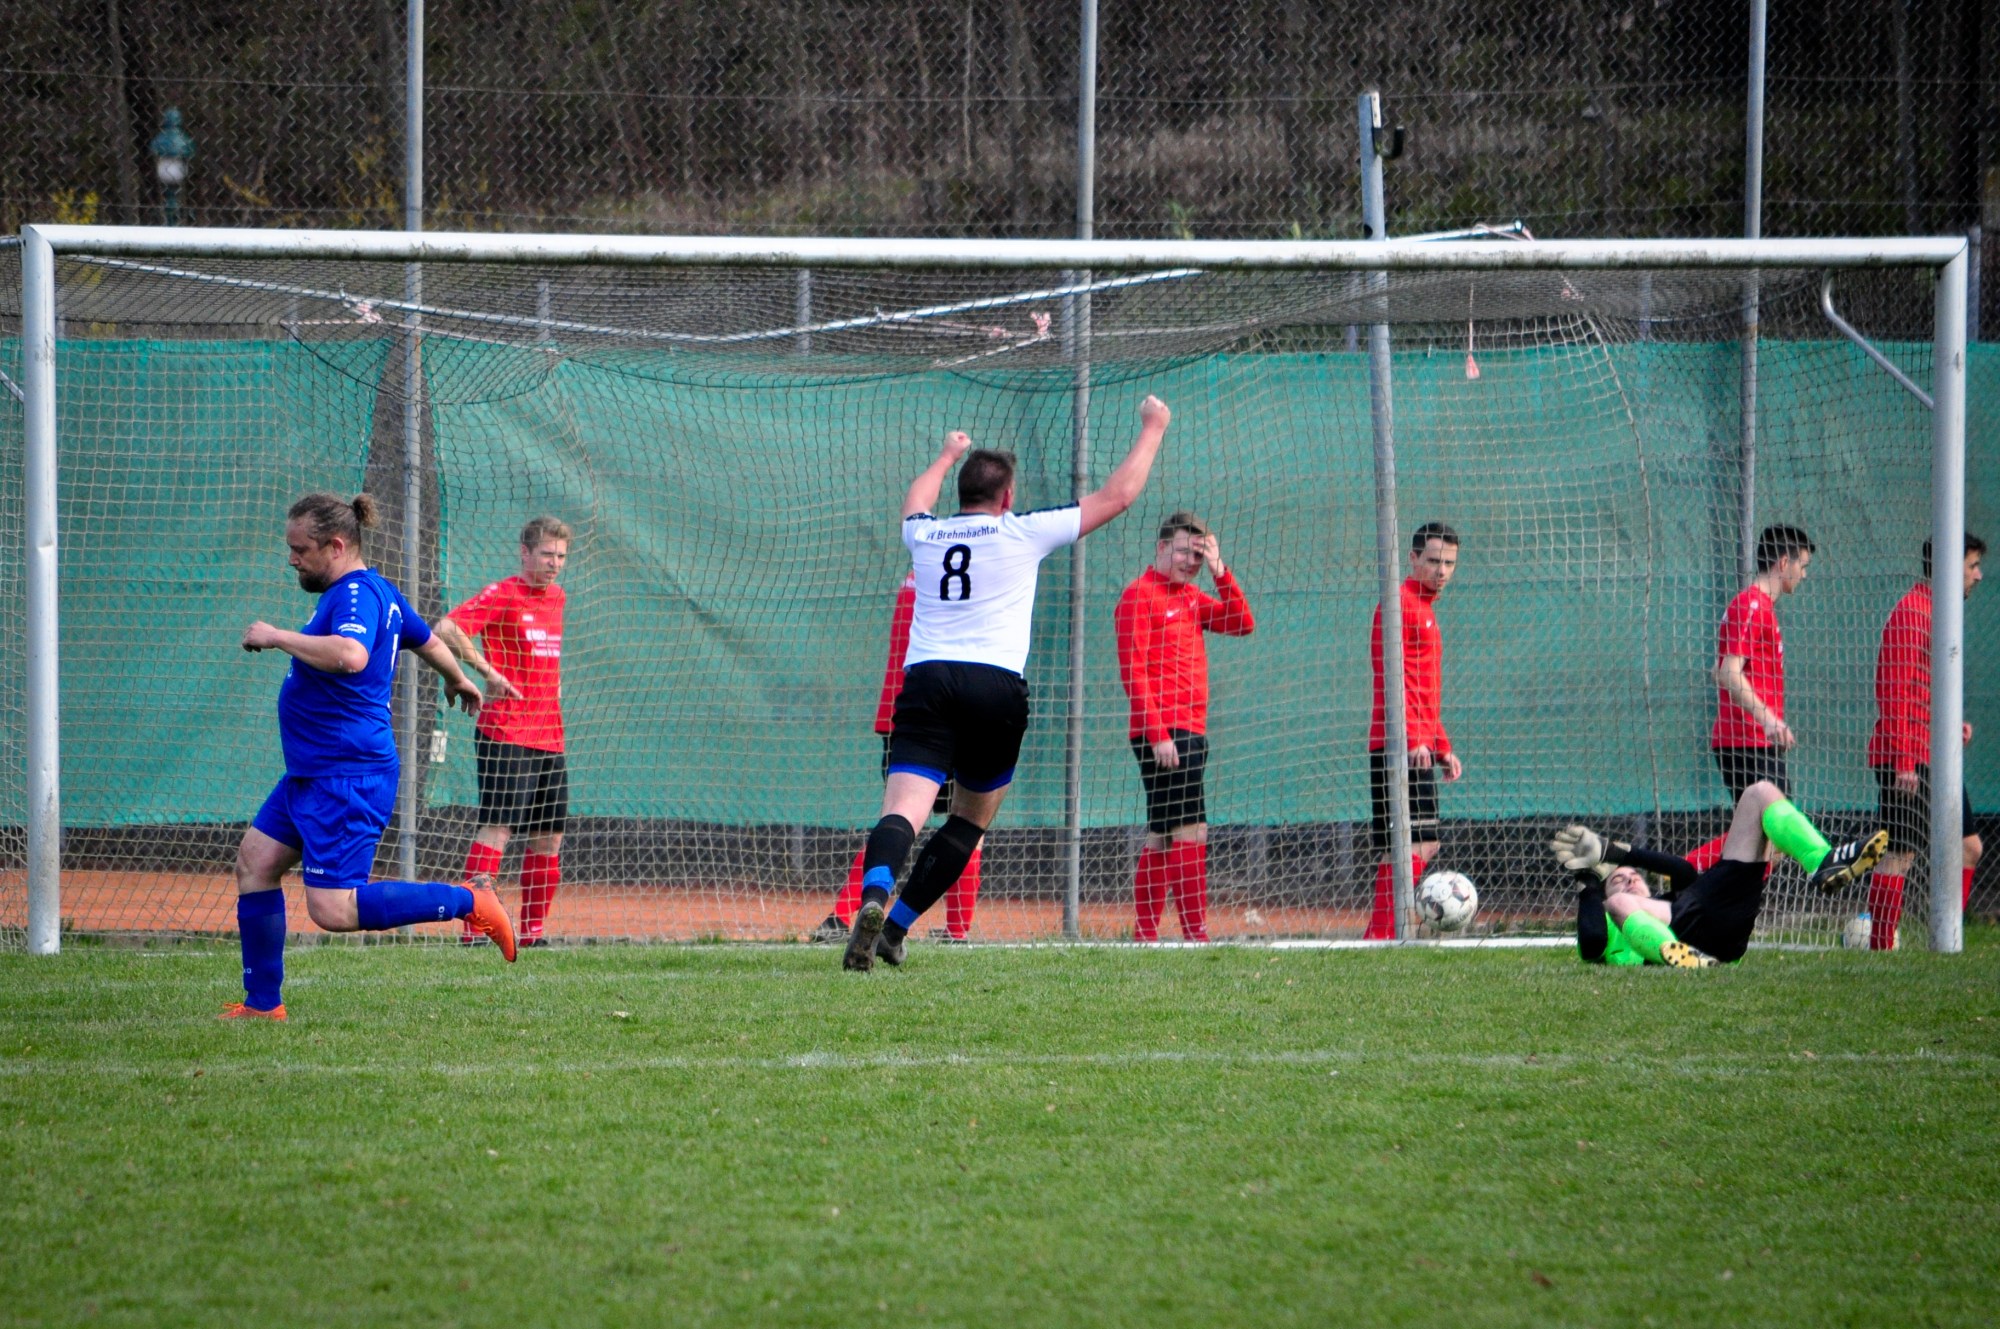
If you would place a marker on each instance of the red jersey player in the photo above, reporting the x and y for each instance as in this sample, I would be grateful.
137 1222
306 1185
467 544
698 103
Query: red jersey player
1163 663
1433 563
964 893
518 741
1750 737
1899 749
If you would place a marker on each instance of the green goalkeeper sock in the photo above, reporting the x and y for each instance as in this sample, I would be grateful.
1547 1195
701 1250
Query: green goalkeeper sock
1645 935
1795 835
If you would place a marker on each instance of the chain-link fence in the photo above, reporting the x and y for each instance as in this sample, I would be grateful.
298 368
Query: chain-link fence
1231 118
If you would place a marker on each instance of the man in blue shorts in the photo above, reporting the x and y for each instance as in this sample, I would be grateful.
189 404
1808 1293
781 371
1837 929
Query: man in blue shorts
327 813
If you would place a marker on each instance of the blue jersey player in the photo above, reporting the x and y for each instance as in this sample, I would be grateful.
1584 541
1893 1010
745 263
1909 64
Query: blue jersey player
327 813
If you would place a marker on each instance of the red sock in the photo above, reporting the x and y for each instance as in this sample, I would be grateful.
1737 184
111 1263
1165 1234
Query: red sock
1149 894
1382 918
540 875
478 858
481 858
1704 857
1187 873
961 898
1964 891
849 898
1885 910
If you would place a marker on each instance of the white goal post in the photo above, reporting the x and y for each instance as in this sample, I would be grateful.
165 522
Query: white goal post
45 246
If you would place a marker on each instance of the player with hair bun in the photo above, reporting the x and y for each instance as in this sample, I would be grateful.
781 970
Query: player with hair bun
327 812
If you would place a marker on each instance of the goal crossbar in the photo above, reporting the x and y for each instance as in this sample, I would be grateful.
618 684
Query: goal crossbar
760 251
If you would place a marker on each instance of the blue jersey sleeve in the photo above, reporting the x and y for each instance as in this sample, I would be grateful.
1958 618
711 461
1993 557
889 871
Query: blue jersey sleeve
415 632
351 611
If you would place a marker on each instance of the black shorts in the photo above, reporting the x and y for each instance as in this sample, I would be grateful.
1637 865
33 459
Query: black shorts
1743 767
939 805
1718 910
1174 798
1423 803
960 720
1906 816
522 788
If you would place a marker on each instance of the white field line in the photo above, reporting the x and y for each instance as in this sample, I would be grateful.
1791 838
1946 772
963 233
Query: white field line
1336 1059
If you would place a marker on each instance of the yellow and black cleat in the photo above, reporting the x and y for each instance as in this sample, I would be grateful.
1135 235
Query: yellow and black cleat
1850 864
1680 955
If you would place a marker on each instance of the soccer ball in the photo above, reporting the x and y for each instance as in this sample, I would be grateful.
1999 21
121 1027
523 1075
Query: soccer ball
1447 900
1856 934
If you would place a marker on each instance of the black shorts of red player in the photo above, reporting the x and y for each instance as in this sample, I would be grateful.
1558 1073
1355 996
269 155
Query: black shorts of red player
1907 816
1743 767
939 805
1718 910
1423 803
956 720
522 788
1174 798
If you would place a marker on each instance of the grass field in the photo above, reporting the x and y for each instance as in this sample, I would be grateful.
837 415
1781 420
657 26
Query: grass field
678 1135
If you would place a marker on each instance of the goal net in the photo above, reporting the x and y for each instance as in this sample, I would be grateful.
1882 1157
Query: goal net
730 444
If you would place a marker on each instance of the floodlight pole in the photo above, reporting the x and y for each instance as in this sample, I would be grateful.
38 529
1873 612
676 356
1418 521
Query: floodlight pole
1388 559
44 642
1948 607
1753 228
407 693
1076 340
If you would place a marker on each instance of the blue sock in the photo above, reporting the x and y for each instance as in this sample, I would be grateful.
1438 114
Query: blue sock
260 921
392 904
902 916
878 884
882 858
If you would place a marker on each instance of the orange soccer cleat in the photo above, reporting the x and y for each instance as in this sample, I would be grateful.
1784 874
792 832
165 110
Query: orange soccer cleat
487 916
243 1010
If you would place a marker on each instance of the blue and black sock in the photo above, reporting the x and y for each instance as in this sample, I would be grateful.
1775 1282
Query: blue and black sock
260 921
938 868
888 845
393 904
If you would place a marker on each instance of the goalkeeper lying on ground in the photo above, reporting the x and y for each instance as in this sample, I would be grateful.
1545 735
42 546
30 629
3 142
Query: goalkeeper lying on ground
1704 918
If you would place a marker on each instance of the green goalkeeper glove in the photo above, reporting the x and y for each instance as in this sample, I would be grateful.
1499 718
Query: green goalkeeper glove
1580 849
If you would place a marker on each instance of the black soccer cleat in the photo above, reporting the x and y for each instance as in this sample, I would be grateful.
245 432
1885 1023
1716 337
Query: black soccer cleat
1850 863
830 930
889 952
943 937
860 953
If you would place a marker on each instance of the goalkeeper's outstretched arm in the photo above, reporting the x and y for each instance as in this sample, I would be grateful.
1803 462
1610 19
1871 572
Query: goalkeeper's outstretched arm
1584 852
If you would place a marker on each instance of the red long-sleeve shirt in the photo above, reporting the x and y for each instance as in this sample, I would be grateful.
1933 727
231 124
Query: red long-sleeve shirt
1902 737
899 646
1423 670
1162 659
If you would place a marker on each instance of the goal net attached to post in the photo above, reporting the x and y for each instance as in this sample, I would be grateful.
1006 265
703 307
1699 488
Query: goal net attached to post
729 427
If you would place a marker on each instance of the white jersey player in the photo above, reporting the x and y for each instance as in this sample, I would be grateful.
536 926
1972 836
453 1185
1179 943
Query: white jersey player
964 704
